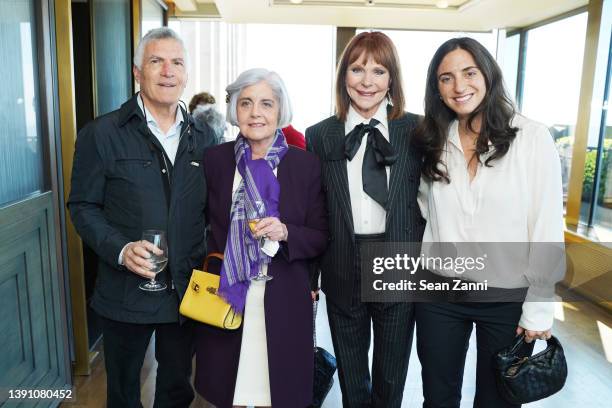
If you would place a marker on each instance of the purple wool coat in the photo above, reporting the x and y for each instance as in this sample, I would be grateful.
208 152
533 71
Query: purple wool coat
287 302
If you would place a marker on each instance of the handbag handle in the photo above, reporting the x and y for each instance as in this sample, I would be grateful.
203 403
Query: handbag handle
551 342
217 255
315 306
518 343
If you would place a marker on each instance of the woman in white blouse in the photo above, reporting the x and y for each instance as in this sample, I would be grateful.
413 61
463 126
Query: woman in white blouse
490 175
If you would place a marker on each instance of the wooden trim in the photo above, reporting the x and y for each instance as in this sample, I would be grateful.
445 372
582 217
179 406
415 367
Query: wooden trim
49 127
343 37
67 122
94 77
136 34
136 23
204 11
550 20
574 238
583 122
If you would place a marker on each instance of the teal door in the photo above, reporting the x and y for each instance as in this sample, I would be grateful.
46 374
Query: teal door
33 329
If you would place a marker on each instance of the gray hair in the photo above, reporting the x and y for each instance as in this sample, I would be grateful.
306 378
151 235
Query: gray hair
251 77
213 118
155 34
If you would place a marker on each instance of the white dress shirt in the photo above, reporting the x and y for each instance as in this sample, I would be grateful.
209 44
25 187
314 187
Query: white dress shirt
169 140
518 199
369 217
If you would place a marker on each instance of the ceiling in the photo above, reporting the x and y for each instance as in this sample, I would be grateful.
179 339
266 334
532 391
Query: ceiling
459 15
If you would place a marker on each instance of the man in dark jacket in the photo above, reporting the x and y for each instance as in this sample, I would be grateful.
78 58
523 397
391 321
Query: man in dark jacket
139 168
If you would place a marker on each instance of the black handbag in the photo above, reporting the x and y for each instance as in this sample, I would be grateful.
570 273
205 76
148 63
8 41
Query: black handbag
324 367
525 379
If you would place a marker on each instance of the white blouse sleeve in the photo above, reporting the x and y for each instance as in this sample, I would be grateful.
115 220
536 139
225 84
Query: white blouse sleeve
545 227
423 198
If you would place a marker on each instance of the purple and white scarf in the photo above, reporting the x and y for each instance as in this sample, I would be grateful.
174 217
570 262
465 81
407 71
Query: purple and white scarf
242 257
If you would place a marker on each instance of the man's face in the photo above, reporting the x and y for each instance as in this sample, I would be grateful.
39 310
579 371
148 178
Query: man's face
163 74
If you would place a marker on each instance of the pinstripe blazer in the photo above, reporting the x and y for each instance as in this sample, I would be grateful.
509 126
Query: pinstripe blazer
404 222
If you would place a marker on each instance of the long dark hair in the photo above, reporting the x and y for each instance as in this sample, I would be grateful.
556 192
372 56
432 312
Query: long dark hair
496 108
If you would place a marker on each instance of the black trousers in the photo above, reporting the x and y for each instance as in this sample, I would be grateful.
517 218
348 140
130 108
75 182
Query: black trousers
393 327
443 333
125 345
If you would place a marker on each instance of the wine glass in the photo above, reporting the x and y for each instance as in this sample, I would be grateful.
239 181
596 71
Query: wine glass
159 262
253 217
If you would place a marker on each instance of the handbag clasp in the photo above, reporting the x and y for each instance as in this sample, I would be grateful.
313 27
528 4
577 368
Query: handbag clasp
212 290
515 367
195 287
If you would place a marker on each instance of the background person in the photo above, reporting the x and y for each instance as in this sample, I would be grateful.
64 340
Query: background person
201 99
203 108
370 117
490 175
139 168
294 137
269 360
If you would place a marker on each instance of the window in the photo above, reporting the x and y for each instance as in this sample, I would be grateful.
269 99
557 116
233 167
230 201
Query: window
303 55
596 209
415 50
152 16
112 54
21 156
551 83
510 64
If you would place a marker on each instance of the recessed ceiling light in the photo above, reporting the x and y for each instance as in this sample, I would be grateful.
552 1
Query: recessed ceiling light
296 1
442 4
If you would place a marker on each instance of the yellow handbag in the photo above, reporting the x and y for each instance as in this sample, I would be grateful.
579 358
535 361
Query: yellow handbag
201 302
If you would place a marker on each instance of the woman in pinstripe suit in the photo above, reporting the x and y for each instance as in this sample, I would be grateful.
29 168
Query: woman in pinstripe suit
371 178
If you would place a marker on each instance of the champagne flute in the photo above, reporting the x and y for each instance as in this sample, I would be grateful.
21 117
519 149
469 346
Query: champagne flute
159 262
253 217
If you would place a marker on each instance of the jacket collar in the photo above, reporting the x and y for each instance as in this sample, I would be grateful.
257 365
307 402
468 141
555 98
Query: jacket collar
130 109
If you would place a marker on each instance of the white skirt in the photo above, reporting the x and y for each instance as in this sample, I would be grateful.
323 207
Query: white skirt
253 379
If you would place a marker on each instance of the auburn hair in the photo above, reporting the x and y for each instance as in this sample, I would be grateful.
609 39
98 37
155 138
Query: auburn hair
381 49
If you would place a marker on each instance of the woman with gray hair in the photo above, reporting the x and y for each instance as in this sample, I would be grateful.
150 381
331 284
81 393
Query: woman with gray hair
267 216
